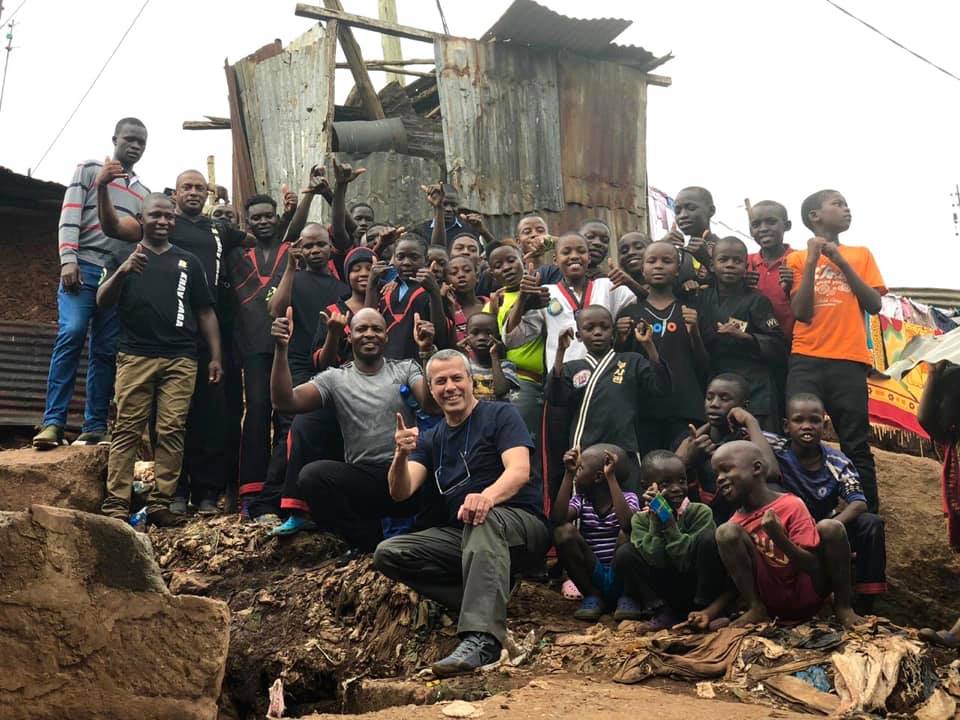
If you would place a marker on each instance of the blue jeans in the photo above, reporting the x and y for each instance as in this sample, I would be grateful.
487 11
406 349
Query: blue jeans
77 312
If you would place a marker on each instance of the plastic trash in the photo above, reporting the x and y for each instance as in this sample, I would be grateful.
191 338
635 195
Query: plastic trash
816 676
139 518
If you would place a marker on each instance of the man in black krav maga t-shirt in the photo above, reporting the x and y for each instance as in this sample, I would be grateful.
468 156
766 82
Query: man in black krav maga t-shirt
164 307
478 458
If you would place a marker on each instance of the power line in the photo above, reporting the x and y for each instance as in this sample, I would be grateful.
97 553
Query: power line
22 3
99 73
443 19
6 62
898 44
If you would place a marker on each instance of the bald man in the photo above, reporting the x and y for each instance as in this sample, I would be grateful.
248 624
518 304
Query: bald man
351 498
783 564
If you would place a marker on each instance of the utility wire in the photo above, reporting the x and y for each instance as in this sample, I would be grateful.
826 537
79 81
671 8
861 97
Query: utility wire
443 20
898 44
22 3
99 73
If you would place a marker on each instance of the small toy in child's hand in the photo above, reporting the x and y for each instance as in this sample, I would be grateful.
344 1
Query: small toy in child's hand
661 508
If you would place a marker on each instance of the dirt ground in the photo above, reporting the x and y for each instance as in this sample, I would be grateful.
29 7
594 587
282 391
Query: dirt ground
585 699
349 640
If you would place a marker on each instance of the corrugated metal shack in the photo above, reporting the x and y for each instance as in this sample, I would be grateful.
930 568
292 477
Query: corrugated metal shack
29 216
544 113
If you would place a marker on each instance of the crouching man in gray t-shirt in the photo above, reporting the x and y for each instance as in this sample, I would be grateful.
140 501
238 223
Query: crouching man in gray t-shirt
350 498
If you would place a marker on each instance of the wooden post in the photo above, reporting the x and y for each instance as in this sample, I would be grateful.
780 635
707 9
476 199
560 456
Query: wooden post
387 11
351 49
329 60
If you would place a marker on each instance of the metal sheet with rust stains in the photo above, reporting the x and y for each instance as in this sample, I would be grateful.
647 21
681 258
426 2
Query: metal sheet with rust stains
285 99
25 349
603 134
501 125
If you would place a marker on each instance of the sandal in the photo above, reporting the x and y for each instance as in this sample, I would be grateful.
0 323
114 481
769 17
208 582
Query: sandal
663 620
569 591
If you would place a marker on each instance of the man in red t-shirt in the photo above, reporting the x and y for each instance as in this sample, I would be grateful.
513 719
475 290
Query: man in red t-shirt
783 564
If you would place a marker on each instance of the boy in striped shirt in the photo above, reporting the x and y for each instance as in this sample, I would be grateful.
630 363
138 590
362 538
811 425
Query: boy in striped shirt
604 511
84 252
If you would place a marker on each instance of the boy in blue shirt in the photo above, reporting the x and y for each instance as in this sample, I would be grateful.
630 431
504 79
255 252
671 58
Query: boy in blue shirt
829 485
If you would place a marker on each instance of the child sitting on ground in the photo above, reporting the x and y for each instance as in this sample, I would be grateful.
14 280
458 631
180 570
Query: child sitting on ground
603 395
829 486
493 378
741 333
727 420
783 564
835 285
671 569
604 511
677 339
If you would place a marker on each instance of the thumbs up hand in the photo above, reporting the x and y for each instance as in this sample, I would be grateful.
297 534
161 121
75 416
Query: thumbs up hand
282 329
405 438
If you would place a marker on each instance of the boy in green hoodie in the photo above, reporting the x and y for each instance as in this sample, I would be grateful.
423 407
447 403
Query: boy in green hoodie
672 569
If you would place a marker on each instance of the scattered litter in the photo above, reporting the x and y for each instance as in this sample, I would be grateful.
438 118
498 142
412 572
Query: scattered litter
705 690
277 707
816 676
939 706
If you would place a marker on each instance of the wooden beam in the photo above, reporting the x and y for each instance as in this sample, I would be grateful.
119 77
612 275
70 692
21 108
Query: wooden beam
220 124
658 80
376 64
329 49
351 49
387 12
405 31
393 70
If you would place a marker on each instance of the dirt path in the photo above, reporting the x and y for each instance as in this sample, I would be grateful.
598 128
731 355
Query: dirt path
581 699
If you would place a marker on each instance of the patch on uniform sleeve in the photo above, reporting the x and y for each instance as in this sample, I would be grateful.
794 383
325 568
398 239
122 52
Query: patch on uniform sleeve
182 264
772 322
741 325
581 379
554 307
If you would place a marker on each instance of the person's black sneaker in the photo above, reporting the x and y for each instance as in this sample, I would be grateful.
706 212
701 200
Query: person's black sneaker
474 651
349 556
165 518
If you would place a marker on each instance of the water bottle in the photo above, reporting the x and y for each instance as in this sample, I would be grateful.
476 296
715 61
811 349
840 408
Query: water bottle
139 518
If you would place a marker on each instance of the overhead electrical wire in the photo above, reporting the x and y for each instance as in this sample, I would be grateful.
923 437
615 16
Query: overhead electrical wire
97 77
898 44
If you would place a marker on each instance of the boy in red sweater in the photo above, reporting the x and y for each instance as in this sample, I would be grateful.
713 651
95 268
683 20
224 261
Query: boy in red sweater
783 564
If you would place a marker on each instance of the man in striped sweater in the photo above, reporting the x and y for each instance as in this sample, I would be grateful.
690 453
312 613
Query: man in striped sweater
84 252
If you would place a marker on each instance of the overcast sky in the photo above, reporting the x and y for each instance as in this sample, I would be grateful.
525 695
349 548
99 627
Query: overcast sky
769 99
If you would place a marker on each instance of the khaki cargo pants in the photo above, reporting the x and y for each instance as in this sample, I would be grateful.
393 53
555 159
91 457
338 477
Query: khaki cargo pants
140 381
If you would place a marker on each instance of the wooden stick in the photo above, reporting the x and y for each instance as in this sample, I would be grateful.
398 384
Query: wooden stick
405 31
205 125
391 69
368 95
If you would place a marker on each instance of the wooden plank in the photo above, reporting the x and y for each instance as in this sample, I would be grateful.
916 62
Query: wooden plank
328 54
387 12
392 71
405 31
351 49
243 184
658 80
206 125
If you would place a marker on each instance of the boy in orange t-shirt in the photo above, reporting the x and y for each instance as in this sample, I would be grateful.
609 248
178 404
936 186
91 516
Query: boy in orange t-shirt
836 284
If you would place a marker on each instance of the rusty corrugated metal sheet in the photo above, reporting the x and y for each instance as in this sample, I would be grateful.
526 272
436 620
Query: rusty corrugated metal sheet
391 185
501 125
603 110
570 218
24 361
285 100
528 23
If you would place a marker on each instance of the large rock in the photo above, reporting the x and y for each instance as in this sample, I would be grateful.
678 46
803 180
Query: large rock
72 477
89 630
